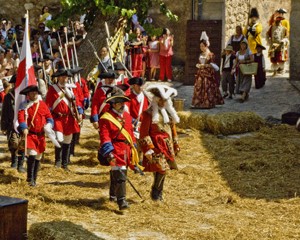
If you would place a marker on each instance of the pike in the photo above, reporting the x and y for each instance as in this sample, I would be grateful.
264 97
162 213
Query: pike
96 55
108 45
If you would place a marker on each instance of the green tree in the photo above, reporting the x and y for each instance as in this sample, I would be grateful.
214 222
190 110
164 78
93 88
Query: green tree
125 8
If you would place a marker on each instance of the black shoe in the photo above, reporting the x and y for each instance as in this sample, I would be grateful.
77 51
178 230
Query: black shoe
123 204
57 164
66 168
225 95
21 169
230 96
14 161
112 198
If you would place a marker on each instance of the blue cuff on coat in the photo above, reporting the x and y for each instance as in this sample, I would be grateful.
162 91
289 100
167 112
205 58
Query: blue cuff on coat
50 120
22 126
80 110
106 148
94 118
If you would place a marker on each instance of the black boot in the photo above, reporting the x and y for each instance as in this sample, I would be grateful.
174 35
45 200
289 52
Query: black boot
30 170
112 188
65 156
158 185
58 157
14 160
120 178
21 168
35 171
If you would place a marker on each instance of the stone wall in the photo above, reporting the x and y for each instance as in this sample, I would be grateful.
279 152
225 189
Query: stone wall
184 11
295 41
15 10
236 13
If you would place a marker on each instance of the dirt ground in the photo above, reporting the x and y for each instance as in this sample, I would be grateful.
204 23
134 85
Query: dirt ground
226 188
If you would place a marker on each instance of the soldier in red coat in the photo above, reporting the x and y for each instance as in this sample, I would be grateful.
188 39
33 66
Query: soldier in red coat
117 146
158 137
122 78
67 111
82 92
34 119
138 104
99 106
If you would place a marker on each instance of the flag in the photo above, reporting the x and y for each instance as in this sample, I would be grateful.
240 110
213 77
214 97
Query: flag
25 73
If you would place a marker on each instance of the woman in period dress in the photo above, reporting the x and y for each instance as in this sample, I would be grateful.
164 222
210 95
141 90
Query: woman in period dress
206 90
243 82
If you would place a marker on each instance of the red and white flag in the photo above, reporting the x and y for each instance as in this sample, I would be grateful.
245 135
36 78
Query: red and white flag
25 73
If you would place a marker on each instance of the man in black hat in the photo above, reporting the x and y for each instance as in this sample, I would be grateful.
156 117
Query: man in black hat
34 119
117 146
7 127
122 78
67 111
139 102
253 30
99 106
284 22
277 37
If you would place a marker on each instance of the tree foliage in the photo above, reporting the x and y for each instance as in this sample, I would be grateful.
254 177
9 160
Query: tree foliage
125 8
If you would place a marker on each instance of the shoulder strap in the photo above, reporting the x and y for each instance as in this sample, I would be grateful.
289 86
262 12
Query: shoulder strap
135 155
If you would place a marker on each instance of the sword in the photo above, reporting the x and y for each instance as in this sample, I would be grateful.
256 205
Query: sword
133 187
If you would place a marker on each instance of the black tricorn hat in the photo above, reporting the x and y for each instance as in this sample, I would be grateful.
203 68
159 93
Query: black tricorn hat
136 80
119 66
117 99
48 57
254 13
76 70
109 74
281 10
30 88
13 79
62 72
124 87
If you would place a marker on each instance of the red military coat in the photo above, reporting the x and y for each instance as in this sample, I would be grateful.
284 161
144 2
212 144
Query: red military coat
36 137
98 98
109 132
161 139
64 121
79 94
134 105
85 89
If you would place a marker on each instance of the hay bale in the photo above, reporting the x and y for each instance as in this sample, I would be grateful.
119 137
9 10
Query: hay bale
233 123
192 120
59 230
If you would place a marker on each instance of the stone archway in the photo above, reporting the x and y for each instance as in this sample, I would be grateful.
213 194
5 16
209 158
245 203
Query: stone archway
295 41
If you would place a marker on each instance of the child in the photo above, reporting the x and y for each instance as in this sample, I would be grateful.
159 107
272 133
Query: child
154 56
227 76
260 77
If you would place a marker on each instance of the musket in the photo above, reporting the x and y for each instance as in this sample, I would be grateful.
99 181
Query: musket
96 54
109 53
50 44
18 48
59 40
62 57
44 71
76 60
